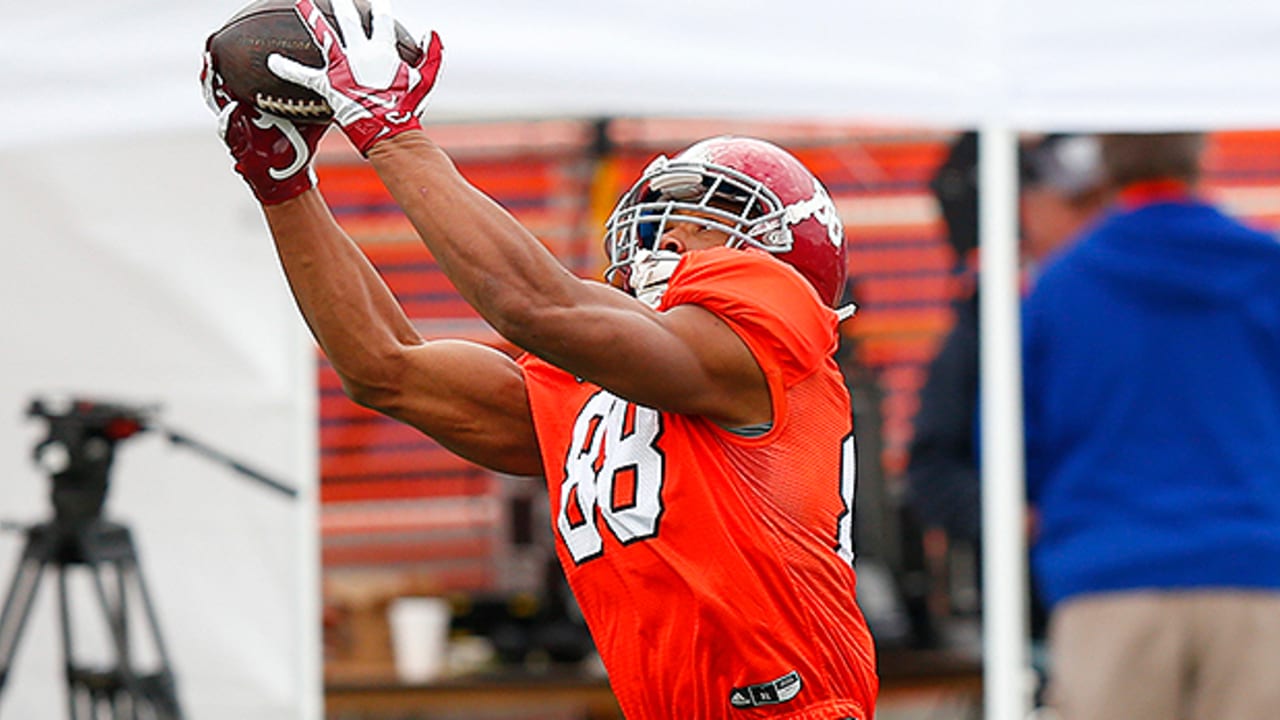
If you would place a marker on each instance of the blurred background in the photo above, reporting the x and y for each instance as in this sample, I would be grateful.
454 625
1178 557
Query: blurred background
401 516
139 270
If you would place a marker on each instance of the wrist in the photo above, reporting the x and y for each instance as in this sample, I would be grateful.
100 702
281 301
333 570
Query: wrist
369 132
415 141
293 205
270 192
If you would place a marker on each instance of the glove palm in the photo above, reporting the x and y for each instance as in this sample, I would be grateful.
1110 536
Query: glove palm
374 93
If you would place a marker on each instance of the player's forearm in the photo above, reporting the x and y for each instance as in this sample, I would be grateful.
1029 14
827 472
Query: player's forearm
349 309
502 270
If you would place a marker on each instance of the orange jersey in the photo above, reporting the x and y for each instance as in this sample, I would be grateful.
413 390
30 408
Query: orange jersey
714 570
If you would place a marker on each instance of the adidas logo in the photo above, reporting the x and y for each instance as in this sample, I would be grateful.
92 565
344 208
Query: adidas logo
774 692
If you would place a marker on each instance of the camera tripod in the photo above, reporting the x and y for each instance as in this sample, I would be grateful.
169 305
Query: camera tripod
78 453
106 549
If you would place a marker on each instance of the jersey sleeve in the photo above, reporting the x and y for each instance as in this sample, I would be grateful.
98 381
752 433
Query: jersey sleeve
767 303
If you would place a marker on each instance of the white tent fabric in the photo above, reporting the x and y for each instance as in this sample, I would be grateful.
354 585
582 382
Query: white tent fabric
131 233
138 272
84 67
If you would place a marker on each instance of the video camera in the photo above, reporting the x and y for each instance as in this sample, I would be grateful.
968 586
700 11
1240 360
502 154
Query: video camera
79 448
110 421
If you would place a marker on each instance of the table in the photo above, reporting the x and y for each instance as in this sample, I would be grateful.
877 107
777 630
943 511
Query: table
589 698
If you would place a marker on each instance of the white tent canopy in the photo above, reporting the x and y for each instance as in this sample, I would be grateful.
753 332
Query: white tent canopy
141 267
87 67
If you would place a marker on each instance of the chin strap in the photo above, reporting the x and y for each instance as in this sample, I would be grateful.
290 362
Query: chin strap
844 312
650 273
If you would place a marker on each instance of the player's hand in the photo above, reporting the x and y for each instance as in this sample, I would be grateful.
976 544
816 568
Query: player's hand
373 92
272 154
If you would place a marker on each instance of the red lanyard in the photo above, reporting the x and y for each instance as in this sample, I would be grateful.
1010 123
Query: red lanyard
1148 192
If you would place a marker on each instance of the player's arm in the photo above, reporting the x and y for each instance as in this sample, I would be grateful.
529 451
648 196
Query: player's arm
469 397
684 360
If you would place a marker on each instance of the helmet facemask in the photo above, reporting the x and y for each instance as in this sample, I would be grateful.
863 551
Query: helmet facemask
712 196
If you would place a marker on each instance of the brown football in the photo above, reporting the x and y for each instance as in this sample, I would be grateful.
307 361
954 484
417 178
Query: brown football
240 49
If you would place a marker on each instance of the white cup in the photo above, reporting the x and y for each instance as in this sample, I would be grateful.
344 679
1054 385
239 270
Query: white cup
419 637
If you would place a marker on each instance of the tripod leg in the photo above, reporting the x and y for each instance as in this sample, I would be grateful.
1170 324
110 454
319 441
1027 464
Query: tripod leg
163 691
121 610
152 618
154 691
68 652
19 599
121 618
127 677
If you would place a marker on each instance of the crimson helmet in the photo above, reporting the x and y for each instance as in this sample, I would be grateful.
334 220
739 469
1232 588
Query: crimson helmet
755 191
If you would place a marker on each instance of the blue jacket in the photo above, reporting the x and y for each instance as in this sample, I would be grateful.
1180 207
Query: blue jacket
1152 387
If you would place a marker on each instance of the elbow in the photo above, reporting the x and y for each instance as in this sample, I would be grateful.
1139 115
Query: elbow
368 395
377 383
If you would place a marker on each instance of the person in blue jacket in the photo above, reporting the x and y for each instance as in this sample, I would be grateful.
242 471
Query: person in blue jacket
1061 190
1152 401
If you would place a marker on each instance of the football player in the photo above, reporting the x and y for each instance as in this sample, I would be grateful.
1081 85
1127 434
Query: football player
689 419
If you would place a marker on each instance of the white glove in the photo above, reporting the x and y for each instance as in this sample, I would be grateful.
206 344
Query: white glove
374 93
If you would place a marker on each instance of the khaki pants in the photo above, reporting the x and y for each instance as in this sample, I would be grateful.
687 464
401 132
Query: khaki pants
1166 656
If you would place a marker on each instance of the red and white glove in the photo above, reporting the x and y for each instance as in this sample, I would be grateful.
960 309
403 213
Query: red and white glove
373 92
272 154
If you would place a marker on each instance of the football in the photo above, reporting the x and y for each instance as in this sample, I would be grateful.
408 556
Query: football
240 48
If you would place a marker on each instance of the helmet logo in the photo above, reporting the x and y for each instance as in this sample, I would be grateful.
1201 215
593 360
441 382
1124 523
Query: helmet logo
821 208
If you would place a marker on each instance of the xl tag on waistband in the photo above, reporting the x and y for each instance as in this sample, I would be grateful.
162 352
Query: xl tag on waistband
773 692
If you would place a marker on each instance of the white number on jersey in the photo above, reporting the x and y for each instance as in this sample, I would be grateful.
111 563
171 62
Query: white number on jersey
614 468
848 483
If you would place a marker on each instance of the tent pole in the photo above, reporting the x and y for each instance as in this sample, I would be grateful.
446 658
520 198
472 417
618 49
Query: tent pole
1006 678
306 401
